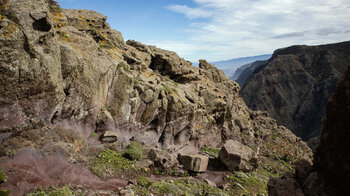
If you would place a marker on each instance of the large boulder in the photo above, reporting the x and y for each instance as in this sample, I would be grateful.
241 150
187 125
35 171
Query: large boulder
162 159
196 163
237 156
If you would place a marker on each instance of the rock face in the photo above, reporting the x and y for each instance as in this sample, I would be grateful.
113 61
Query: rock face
296 83
237 156
247 72
196 163
333 155
330 173
69 68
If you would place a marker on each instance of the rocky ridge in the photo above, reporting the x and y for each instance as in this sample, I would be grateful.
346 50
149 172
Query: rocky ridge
68 77
295 84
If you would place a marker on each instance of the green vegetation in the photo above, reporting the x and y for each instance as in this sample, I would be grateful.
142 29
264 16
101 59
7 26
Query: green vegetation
55 9
52 191
134 151
248 183
124 66
107 45
11 153
168 90
183 186
2 180
214 152
110 163
94 135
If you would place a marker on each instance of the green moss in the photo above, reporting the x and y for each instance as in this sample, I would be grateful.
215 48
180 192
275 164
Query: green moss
110 163
55 9
52 191
124 66
134 151
94 135
168 90
2 176
214 152
107 45
251 183
183 186
11 153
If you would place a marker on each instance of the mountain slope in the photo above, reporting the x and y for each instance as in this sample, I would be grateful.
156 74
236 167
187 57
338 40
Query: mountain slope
296 83
247 71
329 174
230 66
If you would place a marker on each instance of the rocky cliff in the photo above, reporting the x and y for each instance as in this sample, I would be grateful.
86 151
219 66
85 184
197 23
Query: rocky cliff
295 85
66 76
247 71
329 174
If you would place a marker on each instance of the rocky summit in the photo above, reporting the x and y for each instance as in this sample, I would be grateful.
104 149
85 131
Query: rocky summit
295 85
86 112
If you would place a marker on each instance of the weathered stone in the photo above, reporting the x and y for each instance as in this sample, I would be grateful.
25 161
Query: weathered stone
196 163
110 136
143 163
210 183
162 159
237 156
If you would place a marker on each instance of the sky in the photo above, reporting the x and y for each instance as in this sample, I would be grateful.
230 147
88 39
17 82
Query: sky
224 29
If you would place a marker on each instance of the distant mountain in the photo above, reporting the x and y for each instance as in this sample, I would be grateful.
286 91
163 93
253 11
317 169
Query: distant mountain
230 66
296 83
245 72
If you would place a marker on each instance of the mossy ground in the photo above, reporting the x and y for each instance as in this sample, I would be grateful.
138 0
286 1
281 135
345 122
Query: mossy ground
110 163
53 191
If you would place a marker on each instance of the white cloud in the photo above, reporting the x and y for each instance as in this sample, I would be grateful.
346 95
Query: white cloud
190 12
235 28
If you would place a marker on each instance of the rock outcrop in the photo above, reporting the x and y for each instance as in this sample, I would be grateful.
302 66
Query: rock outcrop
69 69
75 71
296 83
330 173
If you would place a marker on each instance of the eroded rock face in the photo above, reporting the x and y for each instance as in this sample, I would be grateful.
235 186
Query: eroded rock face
295 85
237 156
329 174
67 67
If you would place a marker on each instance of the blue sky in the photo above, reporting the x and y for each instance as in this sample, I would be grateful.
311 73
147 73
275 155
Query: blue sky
224 29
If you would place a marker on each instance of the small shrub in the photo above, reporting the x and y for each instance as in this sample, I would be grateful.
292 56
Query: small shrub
214 152
94 135
134 151
2 180
124 66
144 182
11 153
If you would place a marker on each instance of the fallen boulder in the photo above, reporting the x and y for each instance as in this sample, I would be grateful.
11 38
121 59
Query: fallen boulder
196 163
162 159
237 156
110 136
